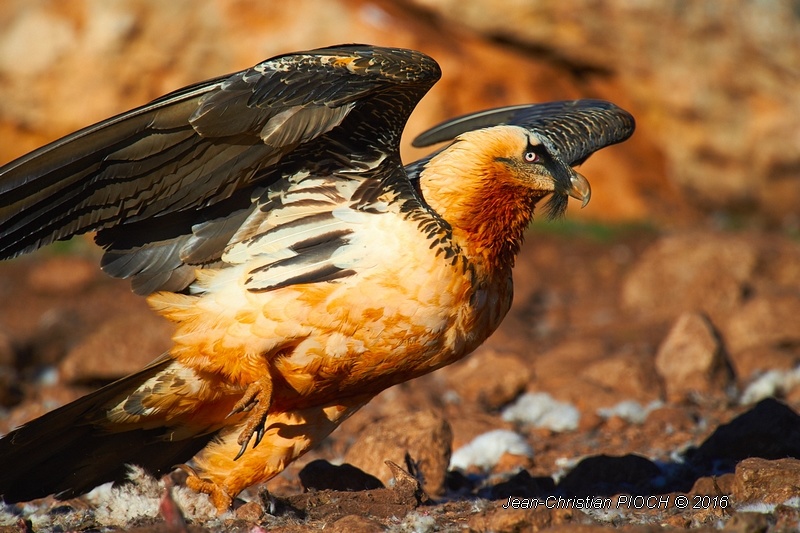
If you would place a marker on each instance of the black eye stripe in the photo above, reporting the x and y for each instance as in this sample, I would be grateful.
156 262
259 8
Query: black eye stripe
539 150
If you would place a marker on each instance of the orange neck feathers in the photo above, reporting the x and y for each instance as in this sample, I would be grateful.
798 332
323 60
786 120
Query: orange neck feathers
473 186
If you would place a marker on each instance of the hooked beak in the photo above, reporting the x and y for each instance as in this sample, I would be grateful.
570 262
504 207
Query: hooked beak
580 188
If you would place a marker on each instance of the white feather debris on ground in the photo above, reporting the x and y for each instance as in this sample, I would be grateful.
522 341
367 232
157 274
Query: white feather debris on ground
485 450
630 410
415 522
771 383
542 411
141 499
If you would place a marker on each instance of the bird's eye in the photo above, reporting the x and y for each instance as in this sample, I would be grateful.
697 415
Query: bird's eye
531 157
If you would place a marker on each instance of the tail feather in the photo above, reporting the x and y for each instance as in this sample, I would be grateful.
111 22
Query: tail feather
69 451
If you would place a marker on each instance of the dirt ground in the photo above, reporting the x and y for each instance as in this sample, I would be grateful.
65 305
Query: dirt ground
643 379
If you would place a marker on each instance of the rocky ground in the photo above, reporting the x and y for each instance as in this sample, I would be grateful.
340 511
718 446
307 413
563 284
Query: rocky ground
643 379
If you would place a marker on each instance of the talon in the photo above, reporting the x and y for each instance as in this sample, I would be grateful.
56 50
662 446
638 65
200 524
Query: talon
241 450
259 435
219 496
240 409
191 472
256 400
247 401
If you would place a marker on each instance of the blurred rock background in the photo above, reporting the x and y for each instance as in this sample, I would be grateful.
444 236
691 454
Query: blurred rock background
715 86
668 310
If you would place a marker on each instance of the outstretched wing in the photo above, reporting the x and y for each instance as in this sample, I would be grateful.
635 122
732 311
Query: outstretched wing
574 128
169 184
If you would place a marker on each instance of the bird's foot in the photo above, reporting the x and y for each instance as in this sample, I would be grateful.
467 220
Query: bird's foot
219 496
256 400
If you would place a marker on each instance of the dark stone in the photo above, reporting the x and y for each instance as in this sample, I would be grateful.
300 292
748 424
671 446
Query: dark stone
604 475
322 475
770 430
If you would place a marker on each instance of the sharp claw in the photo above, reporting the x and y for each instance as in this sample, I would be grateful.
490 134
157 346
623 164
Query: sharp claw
239 409
246 403
188 469
259 435
257 398
242 450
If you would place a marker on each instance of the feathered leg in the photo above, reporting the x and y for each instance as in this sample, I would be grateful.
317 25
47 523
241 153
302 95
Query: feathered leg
288 435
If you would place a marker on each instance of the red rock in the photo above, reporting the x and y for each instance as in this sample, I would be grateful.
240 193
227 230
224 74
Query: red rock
763 321
793 394
629 374
67 274
751 362
748 522
355 524
467 423
499 519
57 329
249 512
590 421
119 346
425 436
561 361
786 518
615 424
691 360
510 462
10 389
761 480
680 521
47 398
690 272
490 378
714 485
779 268
670 418
556 372
8 356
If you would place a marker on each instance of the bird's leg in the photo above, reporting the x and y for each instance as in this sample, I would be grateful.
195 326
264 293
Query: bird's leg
256 400
218 496
221 499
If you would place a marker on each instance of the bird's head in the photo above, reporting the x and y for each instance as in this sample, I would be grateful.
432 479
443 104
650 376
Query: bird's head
522 157
487 183
499 161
